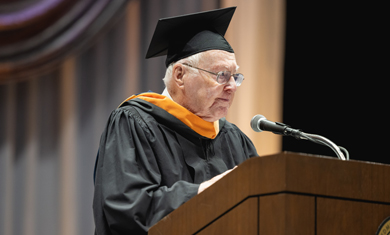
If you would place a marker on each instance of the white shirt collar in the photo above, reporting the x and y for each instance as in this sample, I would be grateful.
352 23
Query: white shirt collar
166 93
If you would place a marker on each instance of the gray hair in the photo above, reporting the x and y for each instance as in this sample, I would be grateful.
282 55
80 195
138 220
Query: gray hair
192 60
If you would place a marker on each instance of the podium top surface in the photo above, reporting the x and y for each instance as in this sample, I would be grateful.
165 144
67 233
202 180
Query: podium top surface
310 174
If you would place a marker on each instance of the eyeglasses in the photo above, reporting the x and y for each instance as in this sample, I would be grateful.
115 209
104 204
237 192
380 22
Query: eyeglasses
224 76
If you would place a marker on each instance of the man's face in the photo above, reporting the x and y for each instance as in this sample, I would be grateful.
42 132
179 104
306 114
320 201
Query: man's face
204 96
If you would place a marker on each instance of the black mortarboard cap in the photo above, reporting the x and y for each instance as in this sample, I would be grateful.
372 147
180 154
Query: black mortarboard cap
182 36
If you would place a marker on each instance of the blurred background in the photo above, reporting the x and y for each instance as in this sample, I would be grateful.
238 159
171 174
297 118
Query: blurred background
66 64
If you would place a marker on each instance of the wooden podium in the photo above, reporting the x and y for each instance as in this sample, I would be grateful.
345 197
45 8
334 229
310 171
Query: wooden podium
288 193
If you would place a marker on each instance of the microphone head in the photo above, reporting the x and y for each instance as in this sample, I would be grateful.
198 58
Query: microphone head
255 122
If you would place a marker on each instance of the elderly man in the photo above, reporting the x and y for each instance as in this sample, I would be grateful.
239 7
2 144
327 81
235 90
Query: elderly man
158 151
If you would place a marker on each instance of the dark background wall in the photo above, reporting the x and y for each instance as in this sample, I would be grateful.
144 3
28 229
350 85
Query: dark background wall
335 78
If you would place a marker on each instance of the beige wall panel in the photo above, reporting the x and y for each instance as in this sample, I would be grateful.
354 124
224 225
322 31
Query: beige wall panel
132 47
31 158
257 35
68 174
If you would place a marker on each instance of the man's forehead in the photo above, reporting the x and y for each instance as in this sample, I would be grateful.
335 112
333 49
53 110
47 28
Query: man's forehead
217 59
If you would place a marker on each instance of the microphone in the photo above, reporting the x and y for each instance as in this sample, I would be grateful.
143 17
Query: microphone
259 123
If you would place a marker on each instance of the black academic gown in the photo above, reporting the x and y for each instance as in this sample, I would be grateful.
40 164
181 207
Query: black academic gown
149 163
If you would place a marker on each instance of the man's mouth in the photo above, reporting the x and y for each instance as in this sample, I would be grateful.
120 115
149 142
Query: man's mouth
224 99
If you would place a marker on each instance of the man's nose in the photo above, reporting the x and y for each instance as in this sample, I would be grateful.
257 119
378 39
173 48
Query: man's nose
231 85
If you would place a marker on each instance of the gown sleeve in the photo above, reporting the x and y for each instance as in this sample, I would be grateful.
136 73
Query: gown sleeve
128 185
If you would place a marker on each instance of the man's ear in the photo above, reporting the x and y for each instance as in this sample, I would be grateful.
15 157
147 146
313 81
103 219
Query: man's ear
178 73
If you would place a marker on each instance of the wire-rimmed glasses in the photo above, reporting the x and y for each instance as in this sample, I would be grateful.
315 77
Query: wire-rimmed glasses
224 76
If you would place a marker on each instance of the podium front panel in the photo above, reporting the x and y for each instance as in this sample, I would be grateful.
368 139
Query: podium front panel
288 193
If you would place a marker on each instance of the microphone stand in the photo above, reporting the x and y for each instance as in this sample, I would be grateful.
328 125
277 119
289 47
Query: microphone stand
324 141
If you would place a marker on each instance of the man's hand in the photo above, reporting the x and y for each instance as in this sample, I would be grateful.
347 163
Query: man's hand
211 181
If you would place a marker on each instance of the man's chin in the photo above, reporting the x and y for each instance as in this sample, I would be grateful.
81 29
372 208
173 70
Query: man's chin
219 115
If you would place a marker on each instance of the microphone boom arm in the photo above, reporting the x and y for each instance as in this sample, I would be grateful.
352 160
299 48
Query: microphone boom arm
324 141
